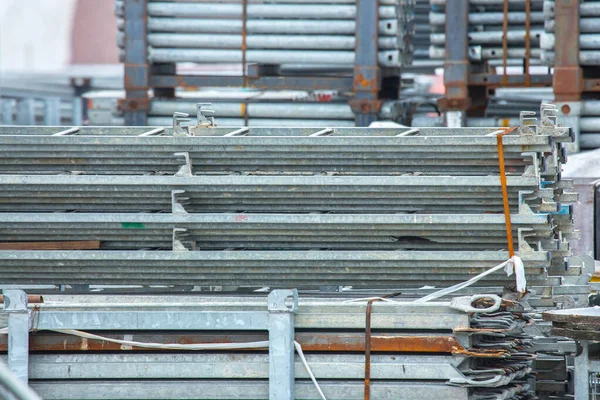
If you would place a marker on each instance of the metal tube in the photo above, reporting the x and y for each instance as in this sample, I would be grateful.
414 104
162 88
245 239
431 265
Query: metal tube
477 53
586 57
586 25
221 41
586 41
589 124
492 37
590 140
386 58
261 122
272 26
257 110
489 18
219 10
483 2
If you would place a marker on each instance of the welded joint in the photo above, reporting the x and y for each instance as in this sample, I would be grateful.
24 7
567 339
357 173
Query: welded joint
176 202
186 169
465 303
283 300
15 300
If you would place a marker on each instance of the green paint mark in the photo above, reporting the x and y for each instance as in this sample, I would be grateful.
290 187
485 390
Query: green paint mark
132 225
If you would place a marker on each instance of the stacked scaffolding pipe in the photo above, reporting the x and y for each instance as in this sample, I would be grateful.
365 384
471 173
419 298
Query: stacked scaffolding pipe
485 35
589 57
367 208
276 33
589 41
433 349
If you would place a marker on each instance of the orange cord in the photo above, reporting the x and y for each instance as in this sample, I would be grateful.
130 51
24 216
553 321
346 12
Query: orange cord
509 236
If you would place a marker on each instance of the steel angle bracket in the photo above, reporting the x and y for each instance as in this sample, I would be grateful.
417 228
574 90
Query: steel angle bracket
587 265
204 119
186 169
178 234
523 206
528 123
178 119
524 246
176 202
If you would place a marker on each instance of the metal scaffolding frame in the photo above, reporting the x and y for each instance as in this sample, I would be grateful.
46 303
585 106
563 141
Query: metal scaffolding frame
365 80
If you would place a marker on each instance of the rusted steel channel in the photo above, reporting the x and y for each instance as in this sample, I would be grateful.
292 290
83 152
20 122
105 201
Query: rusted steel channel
310 342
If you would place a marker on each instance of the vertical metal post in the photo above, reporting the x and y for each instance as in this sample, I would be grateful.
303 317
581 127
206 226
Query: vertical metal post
52 111
282 304
136 78
367 75
15 304
7 111
80 105
456 63
582 372
568 75
26 111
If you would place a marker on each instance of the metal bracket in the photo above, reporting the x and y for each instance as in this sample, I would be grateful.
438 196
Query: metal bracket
522 243
527 123
523 206
178 119
186 169
176 206
177 243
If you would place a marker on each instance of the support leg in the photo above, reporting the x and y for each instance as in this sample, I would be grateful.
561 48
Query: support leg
15 304
282 306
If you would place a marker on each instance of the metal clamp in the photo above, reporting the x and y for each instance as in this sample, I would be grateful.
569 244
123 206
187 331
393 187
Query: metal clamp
465 303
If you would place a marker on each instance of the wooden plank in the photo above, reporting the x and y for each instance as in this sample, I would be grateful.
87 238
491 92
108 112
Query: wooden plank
67 245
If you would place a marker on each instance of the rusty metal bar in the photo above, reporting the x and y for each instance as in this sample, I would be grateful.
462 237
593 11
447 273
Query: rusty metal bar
310 342
31 299
137 69
456 63
367 78
568 76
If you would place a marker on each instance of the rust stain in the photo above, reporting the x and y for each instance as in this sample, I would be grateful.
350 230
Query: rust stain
31 299
361 81
310 342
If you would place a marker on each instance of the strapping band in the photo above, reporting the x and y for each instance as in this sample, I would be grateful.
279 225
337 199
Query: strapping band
509 235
